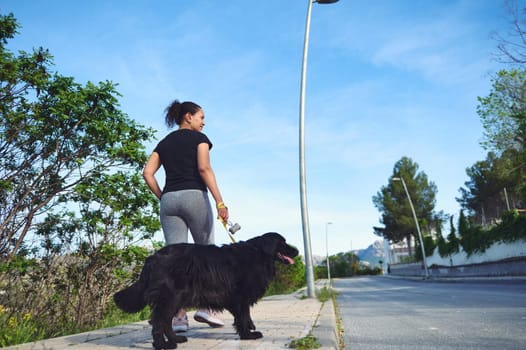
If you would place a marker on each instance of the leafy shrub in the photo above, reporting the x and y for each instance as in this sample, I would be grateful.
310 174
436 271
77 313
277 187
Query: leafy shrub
429 246
366 270
305 343
475 238
16 328
288 278
64 295
511 228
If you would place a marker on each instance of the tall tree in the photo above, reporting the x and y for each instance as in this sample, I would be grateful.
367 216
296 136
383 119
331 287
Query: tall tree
72 199
492 187
503 116
393 204
57 138
511 46
503 112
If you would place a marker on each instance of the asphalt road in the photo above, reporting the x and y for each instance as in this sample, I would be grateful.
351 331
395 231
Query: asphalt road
388 313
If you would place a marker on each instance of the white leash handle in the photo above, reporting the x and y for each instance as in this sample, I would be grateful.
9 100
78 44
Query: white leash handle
232 228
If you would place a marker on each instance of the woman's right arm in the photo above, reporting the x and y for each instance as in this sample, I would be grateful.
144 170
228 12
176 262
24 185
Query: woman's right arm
153 164
208 176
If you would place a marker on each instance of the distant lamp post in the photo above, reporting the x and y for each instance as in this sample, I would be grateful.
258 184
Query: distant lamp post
416 223
327 248
311 293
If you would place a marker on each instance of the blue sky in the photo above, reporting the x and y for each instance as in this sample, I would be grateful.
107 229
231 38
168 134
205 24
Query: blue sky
385 79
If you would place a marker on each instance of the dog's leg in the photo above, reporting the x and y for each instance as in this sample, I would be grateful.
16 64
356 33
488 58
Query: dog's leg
251 324
158 330
244 324
158 338
161 322
236 310
168 312
173 338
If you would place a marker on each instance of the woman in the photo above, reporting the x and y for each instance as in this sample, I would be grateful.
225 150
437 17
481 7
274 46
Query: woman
185 156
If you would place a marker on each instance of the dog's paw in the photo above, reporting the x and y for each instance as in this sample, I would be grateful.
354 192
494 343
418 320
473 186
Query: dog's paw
159 343
174 339
164 345
180 339
251 335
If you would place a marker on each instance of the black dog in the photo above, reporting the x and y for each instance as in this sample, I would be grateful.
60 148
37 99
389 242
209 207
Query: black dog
232 277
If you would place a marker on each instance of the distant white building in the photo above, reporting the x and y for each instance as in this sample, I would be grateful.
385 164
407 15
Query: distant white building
396 251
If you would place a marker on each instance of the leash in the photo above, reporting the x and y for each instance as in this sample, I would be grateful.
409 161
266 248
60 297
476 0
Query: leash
231 229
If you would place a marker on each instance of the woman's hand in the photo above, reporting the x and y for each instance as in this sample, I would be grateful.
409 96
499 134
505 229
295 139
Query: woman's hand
222 212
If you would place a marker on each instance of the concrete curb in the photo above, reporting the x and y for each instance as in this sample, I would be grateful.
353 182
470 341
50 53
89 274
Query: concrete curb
325 328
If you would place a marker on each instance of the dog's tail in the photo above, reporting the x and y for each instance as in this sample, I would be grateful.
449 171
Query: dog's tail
132 299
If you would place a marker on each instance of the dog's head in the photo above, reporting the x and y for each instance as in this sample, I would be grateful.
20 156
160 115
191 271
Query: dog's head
274 244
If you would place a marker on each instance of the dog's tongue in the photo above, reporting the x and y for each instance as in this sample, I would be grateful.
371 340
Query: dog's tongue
286 258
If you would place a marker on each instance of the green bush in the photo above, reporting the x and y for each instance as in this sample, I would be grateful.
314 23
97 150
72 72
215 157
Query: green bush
475 238
18 329
305 343
429 246
320 271
114 316
289 278
63 295
366 270
511 228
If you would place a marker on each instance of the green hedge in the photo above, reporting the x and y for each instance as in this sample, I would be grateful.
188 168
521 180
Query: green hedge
476 239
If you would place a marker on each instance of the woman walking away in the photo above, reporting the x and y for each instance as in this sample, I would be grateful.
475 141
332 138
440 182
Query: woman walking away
185 156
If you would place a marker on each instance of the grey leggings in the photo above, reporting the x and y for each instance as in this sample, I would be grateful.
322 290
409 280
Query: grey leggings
183 210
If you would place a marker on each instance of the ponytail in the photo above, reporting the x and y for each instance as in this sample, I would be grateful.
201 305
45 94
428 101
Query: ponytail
176 111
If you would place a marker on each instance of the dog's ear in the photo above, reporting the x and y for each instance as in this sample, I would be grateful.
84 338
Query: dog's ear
269 243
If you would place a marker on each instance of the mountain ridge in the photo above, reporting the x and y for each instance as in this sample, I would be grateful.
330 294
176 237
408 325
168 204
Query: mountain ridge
372 255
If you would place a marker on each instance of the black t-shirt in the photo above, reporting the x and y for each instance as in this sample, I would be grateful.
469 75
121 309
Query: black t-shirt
178 153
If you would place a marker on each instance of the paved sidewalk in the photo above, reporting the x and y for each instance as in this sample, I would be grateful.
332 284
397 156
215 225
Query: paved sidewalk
281 319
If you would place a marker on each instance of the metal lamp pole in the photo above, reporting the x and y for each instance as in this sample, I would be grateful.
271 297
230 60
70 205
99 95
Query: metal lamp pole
416 223
311 293
327 248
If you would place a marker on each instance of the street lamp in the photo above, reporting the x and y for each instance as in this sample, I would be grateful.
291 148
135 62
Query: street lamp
311 293
416 223
327 247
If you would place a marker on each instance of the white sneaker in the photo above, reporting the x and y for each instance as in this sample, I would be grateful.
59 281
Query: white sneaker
180 324
208 316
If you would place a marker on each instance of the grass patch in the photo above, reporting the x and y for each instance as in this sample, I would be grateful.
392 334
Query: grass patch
324 294
339 326
19 329
305 343
310 342
16 329
116 317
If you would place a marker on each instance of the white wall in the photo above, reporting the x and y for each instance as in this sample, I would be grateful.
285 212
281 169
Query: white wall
498 251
